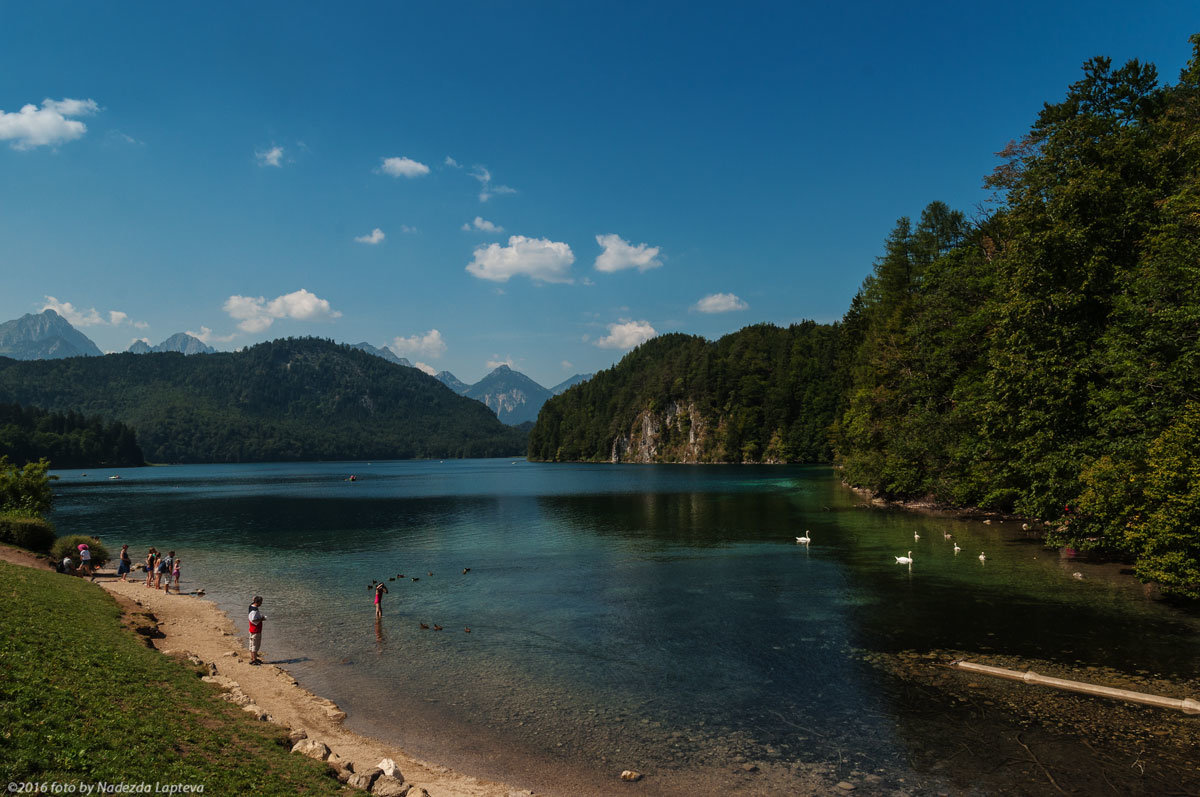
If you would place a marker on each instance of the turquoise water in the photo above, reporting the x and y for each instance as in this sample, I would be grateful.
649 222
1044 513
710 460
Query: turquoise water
659 618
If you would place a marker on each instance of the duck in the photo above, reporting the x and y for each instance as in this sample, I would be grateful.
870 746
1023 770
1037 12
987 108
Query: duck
468 629
982 556
947 535
904 560
424 627
414 578
806 539
437 627
466 570
430 573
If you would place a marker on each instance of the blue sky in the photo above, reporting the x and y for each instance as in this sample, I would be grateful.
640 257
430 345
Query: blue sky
551 182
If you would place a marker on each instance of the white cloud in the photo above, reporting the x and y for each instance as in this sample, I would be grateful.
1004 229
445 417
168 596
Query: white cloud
486 189
618 255
205 335
141 325
721 303
566 364
536 258
91 317
452 163
496 362
626 335
428 345
483 225
429 369
47 126
404 228
375 237
403 167
270 157
118 135
256 314
143 340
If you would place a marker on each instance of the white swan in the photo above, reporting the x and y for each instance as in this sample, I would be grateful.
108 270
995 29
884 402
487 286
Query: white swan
956 548
806 539
904 560
946 535
916 537
982 556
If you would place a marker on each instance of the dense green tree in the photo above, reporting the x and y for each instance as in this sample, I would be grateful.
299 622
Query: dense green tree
761 394
283 400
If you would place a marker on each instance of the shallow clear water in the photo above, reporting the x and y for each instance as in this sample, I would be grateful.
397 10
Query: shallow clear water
660 618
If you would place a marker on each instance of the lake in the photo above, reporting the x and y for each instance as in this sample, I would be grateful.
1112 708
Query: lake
657 618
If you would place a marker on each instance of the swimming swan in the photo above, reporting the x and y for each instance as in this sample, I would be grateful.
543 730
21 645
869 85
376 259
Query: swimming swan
805 540
982 556
904 560
956 548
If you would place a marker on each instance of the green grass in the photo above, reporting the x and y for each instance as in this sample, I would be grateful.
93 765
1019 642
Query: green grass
83 699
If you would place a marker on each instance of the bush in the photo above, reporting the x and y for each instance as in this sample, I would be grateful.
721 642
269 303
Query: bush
31 533
69 546
25 490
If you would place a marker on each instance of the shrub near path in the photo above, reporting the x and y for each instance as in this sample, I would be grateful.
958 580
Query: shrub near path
82 701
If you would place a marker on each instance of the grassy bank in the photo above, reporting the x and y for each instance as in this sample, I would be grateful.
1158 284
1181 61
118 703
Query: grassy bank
82 699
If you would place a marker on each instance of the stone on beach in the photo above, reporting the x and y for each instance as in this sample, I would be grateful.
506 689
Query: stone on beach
390 769
365 780
630 775
312 748
386 786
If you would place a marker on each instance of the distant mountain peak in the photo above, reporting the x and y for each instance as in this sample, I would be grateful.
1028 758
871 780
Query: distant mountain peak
512 395
453 382
180 342
44 336
382 351
569 383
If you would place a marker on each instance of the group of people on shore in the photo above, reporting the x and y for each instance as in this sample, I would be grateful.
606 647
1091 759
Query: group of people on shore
161 571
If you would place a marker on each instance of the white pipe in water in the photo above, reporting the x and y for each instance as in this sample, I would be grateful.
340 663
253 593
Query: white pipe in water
1187 705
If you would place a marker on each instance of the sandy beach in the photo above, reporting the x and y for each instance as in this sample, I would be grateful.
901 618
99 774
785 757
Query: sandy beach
193 626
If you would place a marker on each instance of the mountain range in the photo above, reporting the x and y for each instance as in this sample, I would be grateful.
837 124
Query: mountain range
286 400
511 395
180 342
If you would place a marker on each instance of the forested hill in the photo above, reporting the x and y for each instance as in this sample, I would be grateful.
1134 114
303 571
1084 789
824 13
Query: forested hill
292 399
763 394
68 439
1049 356
1043 359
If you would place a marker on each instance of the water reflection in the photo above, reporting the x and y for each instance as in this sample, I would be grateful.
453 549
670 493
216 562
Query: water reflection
663 610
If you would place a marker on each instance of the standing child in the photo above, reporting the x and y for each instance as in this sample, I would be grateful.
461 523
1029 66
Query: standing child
256 619
85 560
380 591
151 561
175 575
